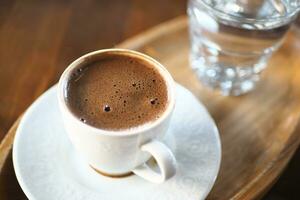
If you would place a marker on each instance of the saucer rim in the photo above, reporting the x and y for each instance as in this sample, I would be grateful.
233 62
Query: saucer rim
15 156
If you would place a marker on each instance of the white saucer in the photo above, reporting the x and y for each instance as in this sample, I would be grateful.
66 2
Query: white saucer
48 168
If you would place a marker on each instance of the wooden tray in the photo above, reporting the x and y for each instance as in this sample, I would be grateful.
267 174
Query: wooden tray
259 130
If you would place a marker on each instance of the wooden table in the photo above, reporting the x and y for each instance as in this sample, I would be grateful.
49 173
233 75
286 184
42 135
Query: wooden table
40 38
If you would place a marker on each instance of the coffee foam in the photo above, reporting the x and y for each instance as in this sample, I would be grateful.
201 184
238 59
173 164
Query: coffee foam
117 92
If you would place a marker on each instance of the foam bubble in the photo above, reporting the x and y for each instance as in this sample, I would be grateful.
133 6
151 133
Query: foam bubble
107 108
152 101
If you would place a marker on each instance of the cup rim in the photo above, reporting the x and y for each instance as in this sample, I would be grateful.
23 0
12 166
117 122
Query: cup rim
122 132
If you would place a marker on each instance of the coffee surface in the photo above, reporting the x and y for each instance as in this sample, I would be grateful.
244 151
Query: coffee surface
116 92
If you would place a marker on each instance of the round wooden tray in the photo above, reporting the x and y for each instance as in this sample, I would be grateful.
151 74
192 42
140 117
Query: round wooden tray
259 131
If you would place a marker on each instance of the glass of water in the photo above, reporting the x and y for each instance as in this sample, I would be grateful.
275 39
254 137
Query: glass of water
232 40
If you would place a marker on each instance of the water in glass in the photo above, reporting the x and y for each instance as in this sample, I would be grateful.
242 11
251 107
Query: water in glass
231 41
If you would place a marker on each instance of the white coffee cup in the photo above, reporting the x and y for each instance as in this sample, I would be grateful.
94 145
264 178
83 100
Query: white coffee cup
116 153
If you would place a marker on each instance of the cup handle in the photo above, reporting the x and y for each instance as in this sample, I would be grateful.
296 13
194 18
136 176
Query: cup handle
165 161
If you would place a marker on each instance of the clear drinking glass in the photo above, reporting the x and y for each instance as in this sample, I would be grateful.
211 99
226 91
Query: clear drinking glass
232 40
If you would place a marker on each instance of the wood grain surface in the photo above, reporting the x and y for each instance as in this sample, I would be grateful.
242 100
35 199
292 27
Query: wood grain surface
39 39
